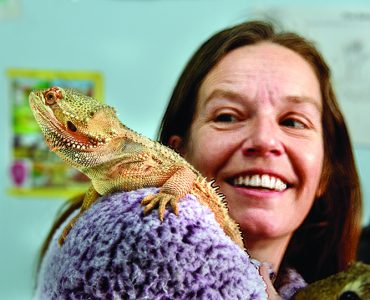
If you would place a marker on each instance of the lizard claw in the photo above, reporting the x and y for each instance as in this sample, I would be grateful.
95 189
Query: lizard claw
175 206
150 202
161 200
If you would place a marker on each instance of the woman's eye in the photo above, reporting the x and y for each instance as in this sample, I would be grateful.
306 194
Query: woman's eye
225 118
293 123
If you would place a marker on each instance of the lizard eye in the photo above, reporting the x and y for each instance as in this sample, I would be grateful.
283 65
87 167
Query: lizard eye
71 126
50 98
349 295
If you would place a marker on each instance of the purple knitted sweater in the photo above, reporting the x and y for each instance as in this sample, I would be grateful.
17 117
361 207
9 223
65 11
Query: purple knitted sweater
115 252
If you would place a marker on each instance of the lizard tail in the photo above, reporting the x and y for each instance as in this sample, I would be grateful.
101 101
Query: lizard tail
208 195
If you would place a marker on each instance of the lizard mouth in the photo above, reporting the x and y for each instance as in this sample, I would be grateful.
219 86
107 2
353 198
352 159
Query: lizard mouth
59 136
58 139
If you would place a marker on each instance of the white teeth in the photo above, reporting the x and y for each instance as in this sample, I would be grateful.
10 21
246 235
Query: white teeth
272 182
255 180
264 181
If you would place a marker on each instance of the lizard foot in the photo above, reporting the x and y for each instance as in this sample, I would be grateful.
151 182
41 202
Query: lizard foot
161 200
67 229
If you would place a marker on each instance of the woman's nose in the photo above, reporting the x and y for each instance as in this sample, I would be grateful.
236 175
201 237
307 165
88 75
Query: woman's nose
263 139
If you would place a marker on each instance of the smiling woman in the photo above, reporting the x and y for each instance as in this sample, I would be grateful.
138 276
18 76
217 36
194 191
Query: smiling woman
264 136
255 110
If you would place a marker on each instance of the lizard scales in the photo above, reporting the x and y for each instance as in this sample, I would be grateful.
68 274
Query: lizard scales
88 135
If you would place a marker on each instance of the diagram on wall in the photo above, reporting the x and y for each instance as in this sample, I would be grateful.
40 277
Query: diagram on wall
34 169
342 35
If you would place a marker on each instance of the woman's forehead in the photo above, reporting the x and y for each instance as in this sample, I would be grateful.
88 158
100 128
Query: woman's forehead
261 70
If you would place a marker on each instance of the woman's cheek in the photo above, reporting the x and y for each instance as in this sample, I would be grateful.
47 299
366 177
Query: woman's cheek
312 159
206 150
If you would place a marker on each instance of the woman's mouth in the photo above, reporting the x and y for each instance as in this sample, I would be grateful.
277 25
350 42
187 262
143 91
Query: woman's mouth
260 181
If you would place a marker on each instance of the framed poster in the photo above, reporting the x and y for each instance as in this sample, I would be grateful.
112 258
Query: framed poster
34 169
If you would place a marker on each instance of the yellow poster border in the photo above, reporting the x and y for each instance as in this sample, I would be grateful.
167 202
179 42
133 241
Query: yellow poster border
95 76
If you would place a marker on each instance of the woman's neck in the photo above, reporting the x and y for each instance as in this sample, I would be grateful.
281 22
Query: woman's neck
271 250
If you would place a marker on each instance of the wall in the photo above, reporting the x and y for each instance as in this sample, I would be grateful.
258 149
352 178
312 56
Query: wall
140 47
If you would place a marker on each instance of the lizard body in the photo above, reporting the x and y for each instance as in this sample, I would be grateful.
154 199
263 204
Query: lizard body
88 135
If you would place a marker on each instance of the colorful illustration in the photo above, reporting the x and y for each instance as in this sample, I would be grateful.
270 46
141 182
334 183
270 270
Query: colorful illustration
34 168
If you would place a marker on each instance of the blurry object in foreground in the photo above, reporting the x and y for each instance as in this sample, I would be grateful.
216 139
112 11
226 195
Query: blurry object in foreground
352 284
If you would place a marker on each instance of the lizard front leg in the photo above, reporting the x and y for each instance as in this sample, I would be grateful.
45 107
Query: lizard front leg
90 197
174 188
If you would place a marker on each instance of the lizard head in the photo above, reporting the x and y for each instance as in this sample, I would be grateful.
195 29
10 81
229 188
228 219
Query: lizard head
73 122
351 284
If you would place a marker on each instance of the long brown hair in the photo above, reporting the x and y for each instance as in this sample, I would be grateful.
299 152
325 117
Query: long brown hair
327 240
65 211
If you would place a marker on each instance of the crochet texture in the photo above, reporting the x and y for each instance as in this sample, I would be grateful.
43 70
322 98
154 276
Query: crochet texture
115 252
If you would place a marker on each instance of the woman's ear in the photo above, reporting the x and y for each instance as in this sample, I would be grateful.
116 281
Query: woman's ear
176 142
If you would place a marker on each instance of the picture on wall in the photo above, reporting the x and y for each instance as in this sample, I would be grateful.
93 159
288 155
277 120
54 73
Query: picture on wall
34 169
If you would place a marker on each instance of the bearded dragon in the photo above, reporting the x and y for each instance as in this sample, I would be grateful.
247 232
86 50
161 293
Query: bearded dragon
88 135
351 284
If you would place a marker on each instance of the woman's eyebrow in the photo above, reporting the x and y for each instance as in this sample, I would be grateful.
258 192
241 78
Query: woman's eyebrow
227 94
233 95
304 99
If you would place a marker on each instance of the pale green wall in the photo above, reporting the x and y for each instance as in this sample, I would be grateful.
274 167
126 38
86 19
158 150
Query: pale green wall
140 46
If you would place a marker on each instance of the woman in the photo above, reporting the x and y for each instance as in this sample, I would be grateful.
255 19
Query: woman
255 110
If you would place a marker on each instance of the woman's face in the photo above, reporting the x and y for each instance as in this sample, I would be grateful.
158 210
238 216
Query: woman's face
258 132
